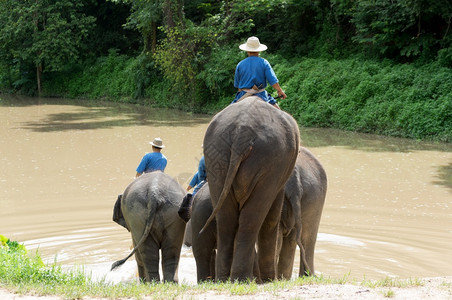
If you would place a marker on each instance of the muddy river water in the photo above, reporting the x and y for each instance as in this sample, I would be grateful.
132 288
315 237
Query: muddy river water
388 210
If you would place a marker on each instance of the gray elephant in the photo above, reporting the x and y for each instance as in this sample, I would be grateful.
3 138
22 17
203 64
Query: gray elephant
305 193
304 198
148 209
250 149
203 245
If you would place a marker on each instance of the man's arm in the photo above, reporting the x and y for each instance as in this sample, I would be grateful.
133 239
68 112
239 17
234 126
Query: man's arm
280 91
194 181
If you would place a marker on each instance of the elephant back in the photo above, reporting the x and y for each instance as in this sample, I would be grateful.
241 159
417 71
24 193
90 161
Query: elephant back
152 194
246 134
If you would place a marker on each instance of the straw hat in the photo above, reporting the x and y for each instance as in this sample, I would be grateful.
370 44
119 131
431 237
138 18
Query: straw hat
158 143
253 45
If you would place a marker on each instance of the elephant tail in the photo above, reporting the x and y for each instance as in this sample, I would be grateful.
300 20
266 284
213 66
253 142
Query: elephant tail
307 270
234 165
147 230
298 227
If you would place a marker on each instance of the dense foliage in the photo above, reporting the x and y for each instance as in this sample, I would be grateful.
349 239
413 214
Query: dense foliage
368 96
373 65
41 34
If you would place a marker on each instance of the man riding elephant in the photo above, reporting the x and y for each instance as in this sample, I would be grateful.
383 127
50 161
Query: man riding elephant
253 73
250 150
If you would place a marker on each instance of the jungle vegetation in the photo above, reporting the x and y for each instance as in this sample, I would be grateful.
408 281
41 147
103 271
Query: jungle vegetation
377 66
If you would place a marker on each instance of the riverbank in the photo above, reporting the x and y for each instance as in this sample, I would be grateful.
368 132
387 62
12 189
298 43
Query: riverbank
432 288
352 94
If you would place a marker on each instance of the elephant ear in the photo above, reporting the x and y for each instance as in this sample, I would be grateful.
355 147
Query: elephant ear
117 213
185 208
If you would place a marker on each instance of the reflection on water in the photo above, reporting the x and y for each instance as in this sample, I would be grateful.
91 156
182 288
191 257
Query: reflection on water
388 210
445 175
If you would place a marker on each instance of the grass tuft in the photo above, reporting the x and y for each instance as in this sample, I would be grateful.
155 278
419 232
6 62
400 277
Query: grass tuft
392 282
389 293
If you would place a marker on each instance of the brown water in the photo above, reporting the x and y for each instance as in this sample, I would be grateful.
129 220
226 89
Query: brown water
388 210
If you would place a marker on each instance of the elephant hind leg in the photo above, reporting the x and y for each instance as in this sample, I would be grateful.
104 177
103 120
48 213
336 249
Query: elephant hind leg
308 241
204 254
244 257
172 240
170 263
141 271
227 224
287 255
310 227
213 256
267 241
149 255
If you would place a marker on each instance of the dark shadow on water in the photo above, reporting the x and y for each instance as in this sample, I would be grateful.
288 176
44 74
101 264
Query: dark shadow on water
100 115
445 176
97 114
327 137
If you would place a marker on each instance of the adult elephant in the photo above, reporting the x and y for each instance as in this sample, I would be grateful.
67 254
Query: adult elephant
250 149
148 209
304 198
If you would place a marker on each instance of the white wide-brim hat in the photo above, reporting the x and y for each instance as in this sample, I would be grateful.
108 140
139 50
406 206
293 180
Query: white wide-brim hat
253 45
158 143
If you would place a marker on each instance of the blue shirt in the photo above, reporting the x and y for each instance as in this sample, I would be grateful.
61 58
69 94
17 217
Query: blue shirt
200 175
152 161
254 70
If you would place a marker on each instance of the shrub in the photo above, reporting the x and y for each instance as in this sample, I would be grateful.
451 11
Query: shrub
402 100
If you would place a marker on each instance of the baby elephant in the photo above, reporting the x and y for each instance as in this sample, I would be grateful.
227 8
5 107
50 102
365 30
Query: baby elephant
304 197
148 209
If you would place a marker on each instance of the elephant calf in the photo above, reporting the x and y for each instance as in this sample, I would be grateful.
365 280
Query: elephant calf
148 209
304 197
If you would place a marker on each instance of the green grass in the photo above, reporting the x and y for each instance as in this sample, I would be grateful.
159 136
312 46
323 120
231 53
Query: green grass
392 282
23 272
389 293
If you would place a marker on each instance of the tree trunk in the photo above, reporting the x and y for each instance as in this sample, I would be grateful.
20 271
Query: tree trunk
154 37
173 13
38 77
168 14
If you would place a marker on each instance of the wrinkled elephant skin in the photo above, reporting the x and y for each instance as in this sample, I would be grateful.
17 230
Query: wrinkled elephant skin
250 149
148 209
